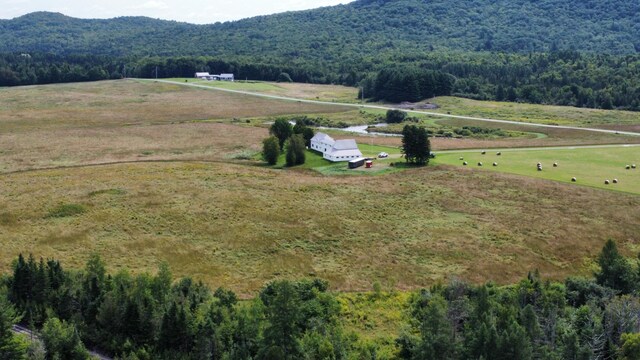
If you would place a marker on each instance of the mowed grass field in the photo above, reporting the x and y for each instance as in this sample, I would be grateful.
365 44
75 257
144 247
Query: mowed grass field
240 226
590 166
543 114
535 136
330 93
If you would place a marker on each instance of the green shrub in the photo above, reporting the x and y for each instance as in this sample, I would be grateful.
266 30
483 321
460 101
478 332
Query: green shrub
108 192
66 210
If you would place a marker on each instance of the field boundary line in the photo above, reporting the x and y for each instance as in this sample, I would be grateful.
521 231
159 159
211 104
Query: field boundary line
124 162
380 107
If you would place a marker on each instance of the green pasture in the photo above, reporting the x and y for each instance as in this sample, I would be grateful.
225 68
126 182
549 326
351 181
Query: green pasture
315 161
591 166
534 113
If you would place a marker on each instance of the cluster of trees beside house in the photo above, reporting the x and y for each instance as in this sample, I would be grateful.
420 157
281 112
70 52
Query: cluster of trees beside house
156 317
560 78
293 140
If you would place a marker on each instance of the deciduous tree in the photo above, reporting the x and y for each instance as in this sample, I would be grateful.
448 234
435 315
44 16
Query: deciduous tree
281 129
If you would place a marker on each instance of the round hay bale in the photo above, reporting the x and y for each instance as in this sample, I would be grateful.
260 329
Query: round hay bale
465 163
606 182
479 164
615 181
633 166
539 164
461 158
539 168
495 164
483 152
498 153
573 179
628 167
555 164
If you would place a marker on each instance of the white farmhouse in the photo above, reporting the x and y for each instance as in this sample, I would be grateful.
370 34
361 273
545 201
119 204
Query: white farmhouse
207 76
322 142
335 150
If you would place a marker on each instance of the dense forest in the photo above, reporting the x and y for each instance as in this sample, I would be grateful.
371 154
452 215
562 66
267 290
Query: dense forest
154 317
363 30
562 78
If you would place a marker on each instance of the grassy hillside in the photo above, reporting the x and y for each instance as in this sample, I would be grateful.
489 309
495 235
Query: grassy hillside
187 195
362 27
240 226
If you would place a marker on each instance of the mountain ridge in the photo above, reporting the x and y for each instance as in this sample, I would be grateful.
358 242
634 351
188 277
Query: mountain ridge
359 29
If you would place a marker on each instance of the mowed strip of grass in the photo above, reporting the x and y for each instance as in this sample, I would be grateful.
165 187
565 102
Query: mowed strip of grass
590 166
241 226
131 102
543 114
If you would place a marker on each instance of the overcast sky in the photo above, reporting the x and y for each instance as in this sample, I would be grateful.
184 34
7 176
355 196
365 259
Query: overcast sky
193 11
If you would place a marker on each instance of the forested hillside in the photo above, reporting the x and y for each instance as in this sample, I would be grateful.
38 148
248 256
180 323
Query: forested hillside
577 53
362 29
156 317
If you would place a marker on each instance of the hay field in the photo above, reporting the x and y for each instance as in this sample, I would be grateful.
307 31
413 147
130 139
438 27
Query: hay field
131 102
330 93
241 226
38 149
537 137
122 121
590 166
543 114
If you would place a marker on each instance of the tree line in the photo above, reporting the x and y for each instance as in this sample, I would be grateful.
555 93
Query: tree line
559 78
156 317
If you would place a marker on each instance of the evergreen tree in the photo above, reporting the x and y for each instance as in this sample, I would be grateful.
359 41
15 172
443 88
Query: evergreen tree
415 145
615 271
436 332
282 312
270 150
306 132
295 150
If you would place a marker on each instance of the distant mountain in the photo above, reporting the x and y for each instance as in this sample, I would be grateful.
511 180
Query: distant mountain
364 29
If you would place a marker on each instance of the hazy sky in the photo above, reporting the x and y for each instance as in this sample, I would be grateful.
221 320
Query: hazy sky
193 11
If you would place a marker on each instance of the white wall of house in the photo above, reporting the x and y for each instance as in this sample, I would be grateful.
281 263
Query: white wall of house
322 143
332 150
337 156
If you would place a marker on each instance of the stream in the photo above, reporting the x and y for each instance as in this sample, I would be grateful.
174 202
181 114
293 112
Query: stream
361 129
